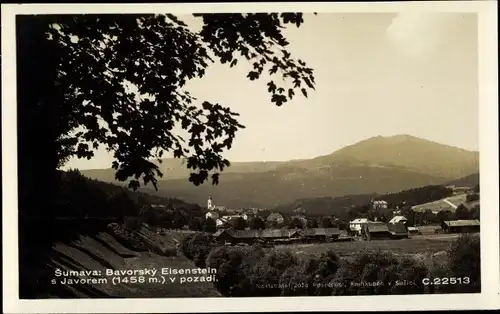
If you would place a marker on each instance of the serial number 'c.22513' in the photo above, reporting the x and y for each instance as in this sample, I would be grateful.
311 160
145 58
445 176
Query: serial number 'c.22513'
446 281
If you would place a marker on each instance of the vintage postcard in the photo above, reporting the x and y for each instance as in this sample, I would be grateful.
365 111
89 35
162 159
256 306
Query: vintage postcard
250 157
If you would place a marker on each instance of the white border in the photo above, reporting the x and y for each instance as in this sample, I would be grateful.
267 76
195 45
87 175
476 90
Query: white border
488 113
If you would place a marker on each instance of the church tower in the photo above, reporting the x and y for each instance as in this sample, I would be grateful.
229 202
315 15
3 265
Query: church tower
209 203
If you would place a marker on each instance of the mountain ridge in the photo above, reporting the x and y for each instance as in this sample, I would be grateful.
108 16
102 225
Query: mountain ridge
375 165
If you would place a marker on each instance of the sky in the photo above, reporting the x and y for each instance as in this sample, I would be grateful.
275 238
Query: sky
376 74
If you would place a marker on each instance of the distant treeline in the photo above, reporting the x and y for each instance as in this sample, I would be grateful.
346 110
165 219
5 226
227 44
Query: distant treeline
341 207
256 271
83 198
421 195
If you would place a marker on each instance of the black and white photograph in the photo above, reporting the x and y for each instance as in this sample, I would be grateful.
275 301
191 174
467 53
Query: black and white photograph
231 152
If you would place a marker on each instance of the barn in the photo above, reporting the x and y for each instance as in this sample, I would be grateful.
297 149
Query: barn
414 231
376 230
398 230
224 236
398 219
461 226
356 225
250 236
319 234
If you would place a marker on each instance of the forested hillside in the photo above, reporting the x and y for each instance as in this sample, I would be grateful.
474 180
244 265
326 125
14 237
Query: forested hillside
376 165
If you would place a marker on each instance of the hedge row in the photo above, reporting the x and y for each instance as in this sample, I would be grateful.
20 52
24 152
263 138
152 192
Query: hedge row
256 271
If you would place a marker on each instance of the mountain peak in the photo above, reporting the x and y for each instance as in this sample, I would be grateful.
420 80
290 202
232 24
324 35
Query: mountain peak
397 137
403 136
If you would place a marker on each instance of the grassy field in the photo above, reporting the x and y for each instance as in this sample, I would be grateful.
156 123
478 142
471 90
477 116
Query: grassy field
104 252
442 204
423 247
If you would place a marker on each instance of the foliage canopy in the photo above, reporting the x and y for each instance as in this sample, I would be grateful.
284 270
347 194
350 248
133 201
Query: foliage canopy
88 67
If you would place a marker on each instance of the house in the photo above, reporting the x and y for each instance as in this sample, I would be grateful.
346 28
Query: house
250 236
250 214
398 230
219 208
355 226
461 226
223 222
398 219
302 219
459 189
414 231
376 230
224 236
276 217
158 206
321 234
379 204
213 215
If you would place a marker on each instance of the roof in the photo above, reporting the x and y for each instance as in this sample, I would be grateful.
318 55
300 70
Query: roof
274 216
472 204
397 219
377 227
158 205
266 233
450 203
221 221
360 221
219 232
397 228
212 214
462 223
308 232
229 218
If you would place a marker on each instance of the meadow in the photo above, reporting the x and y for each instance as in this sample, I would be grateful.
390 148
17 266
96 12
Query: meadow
440 205
424 247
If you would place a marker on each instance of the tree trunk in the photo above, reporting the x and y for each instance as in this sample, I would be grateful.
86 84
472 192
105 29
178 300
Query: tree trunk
37 155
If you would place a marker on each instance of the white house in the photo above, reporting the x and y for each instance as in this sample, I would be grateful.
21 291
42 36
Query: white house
398 219
224 220
357 224
413 230
219 223
214 215
380 205
276 217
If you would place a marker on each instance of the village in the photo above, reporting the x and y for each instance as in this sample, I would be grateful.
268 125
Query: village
274 230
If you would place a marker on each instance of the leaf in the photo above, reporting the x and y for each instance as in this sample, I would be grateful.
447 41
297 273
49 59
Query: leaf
158 55
271 87
304 92
252 75
278 99
308 83
215 179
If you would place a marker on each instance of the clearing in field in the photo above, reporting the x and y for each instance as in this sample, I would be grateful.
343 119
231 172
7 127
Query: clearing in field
450 203
419 246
